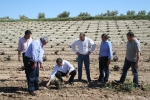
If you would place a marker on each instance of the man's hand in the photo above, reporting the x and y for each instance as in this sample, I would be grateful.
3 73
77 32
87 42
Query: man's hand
108 61
89 53
41 66
67 75
98 58
19 58
78 53
48 83
34 65
136 65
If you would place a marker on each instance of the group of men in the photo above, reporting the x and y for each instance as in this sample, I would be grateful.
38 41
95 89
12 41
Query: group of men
32 54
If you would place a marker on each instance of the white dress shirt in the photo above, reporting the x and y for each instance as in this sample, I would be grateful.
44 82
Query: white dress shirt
83 46
66 66
23 44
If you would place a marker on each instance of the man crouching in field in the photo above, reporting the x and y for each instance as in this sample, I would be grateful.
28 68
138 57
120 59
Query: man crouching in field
62 68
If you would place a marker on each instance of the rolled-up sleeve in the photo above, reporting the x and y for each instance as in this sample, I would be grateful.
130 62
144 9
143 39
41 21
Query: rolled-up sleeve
73 46
70 66
19 45
41 55
53 72
93 45
110 54
35 51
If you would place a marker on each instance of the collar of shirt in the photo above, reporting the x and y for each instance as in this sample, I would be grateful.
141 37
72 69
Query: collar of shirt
41 43
105 41
84 39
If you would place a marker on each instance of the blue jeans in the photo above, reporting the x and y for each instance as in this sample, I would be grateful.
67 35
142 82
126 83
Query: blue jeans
86 60
31 75
103 68
127 65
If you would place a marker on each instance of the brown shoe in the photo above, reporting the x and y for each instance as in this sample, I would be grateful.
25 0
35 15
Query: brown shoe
33 94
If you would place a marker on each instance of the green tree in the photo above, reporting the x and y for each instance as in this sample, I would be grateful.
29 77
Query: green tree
23 17
142 12
41 16
64 14
84 14
122 15
130 13
112 13
148 14
7 17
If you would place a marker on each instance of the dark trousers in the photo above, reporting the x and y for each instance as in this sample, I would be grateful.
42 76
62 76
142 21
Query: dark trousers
127 65
31 75
86 60
103 68
59 75
23 58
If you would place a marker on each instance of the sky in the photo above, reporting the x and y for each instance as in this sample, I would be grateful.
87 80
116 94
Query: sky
51 8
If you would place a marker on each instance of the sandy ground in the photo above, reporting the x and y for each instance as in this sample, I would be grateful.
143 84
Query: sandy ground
13 85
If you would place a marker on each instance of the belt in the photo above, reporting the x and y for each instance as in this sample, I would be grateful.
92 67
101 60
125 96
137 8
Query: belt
104 57
83 54
28 57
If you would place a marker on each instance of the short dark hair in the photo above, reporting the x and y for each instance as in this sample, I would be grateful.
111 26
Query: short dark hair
59 60
104 35
27 32
82 34
131 34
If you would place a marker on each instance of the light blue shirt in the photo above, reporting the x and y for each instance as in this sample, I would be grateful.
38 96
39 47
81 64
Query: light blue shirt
106 49
35 51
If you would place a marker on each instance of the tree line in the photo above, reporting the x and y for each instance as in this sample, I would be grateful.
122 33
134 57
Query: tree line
130 14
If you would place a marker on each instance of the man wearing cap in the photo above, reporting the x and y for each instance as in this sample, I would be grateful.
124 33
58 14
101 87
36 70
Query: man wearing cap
23 45
33 56
84 50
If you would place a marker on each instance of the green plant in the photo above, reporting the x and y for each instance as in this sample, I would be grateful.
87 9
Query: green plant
11 46
145 43
63 49
56 52
2 53
116 68
115 58
45 58
8 58
1 41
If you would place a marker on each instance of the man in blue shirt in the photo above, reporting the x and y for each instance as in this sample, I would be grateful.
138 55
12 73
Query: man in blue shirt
33 56
105 55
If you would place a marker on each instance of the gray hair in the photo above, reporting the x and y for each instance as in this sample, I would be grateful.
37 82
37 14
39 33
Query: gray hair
82 34
45 39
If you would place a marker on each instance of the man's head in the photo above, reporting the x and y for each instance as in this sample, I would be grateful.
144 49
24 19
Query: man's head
82 36
104 37
44 40
130 36
59 62
27 34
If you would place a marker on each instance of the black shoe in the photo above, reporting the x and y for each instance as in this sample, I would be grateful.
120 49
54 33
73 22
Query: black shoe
33 94
79 80
118 81
105 81
70 82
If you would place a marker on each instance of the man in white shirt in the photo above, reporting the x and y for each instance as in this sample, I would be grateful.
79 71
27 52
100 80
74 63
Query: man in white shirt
84 50
62 68
23 45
